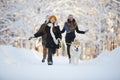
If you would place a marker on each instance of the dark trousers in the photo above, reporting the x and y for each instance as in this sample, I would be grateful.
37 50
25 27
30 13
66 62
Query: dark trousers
51 51
69 38
68 51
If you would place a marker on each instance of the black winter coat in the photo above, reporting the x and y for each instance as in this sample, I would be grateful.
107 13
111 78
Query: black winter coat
44 37
49 40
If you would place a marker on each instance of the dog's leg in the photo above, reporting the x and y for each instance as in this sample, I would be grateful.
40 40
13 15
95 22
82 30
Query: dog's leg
71 60
74 60
77 60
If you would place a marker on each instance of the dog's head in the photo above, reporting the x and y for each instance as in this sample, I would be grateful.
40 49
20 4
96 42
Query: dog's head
75 45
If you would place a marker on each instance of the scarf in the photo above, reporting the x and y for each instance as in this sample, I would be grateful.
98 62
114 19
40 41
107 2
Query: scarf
52 34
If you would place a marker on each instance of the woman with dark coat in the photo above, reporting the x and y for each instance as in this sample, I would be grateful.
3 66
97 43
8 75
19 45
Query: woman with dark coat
44 37
53 33
70 27
42 27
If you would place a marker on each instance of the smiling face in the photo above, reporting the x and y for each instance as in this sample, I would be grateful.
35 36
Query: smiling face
52 20
70 17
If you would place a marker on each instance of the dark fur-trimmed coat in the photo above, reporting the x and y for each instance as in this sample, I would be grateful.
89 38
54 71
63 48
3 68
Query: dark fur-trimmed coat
49 39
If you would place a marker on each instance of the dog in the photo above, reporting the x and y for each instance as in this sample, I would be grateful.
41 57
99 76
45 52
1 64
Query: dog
75 51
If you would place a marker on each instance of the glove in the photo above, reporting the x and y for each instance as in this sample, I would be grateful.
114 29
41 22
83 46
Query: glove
59 42
30 38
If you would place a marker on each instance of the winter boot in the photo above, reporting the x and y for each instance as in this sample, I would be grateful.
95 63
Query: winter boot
43 60
44 57
50 63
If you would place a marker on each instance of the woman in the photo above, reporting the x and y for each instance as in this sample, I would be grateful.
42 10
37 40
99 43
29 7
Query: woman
53 37
70 27
42 27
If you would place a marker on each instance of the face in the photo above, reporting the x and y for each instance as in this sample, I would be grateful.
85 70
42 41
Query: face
70 17
52 20
76 45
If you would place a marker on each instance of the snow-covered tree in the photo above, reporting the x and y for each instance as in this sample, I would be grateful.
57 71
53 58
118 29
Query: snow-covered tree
19 18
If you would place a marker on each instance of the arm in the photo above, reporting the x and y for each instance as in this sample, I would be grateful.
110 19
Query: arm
78 31
38 34
63 30
59 33
40 31
59 37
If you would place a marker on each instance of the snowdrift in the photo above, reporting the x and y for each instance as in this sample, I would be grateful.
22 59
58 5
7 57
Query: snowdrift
107 58
12 55
25 64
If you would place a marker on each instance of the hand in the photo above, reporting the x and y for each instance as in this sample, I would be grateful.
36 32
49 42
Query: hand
59 42
30 38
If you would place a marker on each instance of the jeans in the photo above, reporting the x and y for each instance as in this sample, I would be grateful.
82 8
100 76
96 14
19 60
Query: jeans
51 51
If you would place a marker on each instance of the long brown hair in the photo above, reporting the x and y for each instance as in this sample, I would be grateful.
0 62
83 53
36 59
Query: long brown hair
54 30
72 24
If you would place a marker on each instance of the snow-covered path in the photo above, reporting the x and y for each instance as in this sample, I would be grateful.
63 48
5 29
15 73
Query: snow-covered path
25 64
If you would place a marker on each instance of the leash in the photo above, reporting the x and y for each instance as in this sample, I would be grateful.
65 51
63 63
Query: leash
68 44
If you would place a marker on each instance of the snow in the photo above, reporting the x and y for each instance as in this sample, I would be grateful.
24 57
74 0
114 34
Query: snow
22 16
25 64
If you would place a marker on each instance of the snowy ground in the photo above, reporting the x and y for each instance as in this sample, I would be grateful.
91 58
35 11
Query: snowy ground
25 64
